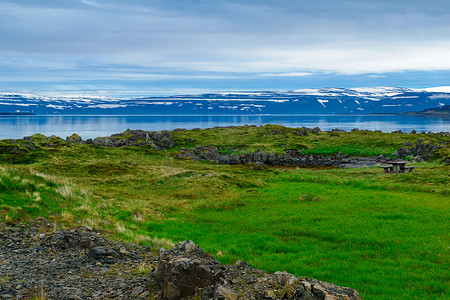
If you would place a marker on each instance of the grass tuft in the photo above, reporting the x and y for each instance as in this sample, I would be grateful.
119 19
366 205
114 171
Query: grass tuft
153 241
67 192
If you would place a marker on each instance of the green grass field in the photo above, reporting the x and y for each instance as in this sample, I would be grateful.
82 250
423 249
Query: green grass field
385 235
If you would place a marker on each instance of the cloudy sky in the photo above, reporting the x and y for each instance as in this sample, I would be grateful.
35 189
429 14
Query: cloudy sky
183 46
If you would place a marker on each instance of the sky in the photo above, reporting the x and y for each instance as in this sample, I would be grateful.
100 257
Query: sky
156 47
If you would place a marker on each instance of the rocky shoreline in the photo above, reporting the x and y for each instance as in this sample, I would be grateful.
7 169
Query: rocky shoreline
38 261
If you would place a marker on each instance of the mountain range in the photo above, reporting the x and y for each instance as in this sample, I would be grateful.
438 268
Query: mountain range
378 100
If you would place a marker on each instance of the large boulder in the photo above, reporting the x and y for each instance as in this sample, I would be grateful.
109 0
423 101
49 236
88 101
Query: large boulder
184 269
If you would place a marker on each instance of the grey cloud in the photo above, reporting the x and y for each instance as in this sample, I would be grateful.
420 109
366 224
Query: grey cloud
217 35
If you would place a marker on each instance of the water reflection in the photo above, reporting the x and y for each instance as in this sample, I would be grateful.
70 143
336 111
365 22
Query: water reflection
93 126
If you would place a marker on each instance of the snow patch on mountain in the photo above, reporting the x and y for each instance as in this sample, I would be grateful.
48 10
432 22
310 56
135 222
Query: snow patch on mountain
105 106
438 89
322 102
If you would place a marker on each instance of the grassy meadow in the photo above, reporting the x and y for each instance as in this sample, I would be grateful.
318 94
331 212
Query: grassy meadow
386 235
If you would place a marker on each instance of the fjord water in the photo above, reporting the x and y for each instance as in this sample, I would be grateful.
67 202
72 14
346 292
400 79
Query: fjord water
91 126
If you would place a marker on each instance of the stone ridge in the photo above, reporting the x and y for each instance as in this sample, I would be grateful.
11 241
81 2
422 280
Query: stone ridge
289 157
187 270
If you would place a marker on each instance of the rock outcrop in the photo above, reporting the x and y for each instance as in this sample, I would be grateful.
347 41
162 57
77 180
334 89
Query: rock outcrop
421 150
187 270
289 157
157 139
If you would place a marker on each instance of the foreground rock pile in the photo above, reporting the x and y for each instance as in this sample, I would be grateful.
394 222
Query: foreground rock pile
39 262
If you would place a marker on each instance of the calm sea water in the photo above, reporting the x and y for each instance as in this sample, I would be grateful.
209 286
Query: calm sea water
94 126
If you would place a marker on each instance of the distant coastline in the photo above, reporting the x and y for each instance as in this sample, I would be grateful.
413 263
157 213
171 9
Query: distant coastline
16 114
432 112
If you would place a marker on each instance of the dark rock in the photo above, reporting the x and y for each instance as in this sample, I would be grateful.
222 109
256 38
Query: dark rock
224 293
318 293
242 264
316 130
101 252
326 290
54 138
74 139
184 269
302 132
422 150
302 293
163 139
137 291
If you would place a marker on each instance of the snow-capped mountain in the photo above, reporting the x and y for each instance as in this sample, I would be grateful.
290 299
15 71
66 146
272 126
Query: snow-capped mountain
305 101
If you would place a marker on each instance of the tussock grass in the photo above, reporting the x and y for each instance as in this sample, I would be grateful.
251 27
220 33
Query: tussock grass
153 241
67 216
92 222
37 196
67 191
85 206
138 217
142 269
121 228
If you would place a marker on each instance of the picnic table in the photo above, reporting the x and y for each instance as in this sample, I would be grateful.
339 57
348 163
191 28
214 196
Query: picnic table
398 167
